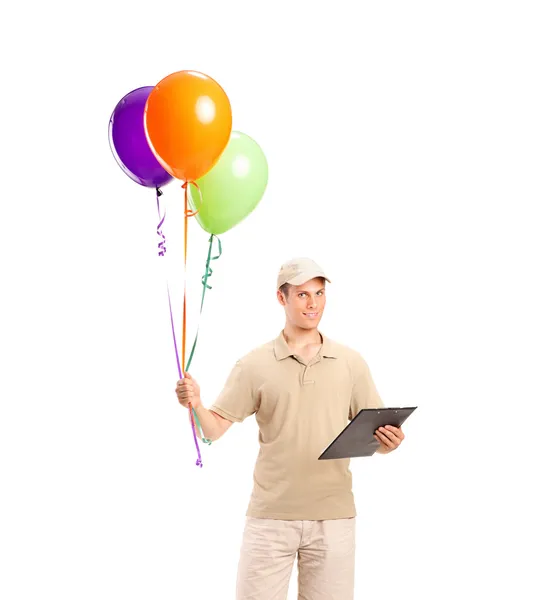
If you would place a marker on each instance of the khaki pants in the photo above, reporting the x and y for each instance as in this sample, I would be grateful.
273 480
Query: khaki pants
325 552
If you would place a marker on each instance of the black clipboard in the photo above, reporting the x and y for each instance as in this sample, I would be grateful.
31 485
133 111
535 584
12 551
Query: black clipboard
357 439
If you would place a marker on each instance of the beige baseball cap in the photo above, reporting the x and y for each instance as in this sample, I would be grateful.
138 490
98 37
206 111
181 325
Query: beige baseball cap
299 270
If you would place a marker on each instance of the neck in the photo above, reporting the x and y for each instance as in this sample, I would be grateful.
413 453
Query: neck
296 336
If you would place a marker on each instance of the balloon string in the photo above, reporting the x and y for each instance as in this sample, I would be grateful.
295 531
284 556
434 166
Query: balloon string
185 257
190 408
208 273
187 214
161 252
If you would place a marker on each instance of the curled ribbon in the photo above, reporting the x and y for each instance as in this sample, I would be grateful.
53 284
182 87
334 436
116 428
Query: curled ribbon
161 246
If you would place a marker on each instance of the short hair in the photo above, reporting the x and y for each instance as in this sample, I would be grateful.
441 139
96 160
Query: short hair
285 288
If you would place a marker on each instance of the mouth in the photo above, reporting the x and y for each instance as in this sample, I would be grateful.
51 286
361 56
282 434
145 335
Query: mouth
312 315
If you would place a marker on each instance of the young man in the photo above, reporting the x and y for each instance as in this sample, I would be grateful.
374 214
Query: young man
303 389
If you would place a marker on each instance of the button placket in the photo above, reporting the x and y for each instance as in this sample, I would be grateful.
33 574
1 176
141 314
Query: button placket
306 381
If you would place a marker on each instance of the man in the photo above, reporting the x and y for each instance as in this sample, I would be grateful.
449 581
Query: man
303 389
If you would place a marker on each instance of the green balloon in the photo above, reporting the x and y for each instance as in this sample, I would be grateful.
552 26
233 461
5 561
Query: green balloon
233 187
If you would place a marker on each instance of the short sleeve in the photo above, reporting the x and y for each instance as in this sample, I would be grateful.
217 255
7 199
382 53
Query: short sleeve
364 393
237 399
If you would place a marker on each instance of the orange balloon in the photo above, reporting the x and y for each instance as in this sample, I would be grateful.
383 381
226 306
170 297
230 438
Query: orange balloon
188 122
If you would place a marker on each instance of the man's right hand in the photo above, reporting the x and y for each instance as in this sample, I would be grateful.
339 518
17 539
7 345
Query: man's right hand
188 392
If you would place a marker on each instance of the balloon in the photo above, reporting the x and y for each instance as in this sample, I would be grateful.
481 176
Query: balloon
233 188
188 121
128 141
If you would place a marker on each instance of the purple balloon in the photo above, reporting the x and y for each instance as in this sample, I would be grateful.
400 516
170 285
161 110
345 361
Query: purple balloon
128 141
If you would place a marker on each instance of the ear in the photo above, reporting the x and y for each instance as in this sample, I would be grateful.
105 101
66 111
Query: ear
281 299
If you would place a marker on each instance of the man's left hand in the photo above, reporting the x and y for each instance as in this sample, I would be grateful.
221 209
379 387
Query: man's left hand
390 438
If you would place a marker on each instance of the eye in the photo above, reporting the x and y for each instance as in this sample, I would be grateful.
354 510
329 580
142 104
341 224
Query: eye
301 294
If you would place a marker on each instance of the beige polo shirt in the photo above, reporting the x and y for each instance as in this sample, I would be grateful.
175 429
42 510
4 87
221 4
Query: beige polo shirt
300 408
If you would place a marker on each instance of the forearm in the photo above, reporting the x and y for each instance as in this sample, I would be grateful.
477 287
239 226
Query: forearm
210 423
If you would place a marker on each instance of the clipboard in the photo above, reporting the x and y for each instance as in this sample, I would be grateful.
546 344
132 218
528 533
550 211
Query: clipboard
357 438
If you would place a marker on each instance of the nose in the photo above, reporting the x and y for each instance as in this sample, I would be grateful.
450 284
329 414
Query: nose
312 303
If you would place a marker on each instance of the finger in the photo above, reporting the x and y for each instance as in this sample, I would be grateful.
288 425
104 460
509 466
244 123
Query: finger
396 431
181 382
390 434
385 440
187 375
382 440
190 380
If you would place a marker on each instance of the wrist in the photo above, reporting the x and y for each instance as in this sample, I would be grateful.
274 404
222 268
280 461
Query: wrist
199 408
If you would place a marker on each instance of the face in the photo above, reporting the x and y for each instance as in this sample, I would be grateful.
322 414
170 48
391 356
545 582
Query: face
304 305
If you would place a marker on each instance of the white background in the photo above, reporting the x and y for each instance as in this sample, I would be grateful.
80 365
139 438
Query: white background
410 147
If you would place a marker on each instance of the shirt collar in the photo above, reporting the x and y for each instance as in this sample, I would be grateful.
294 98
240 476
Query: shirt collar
282 350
